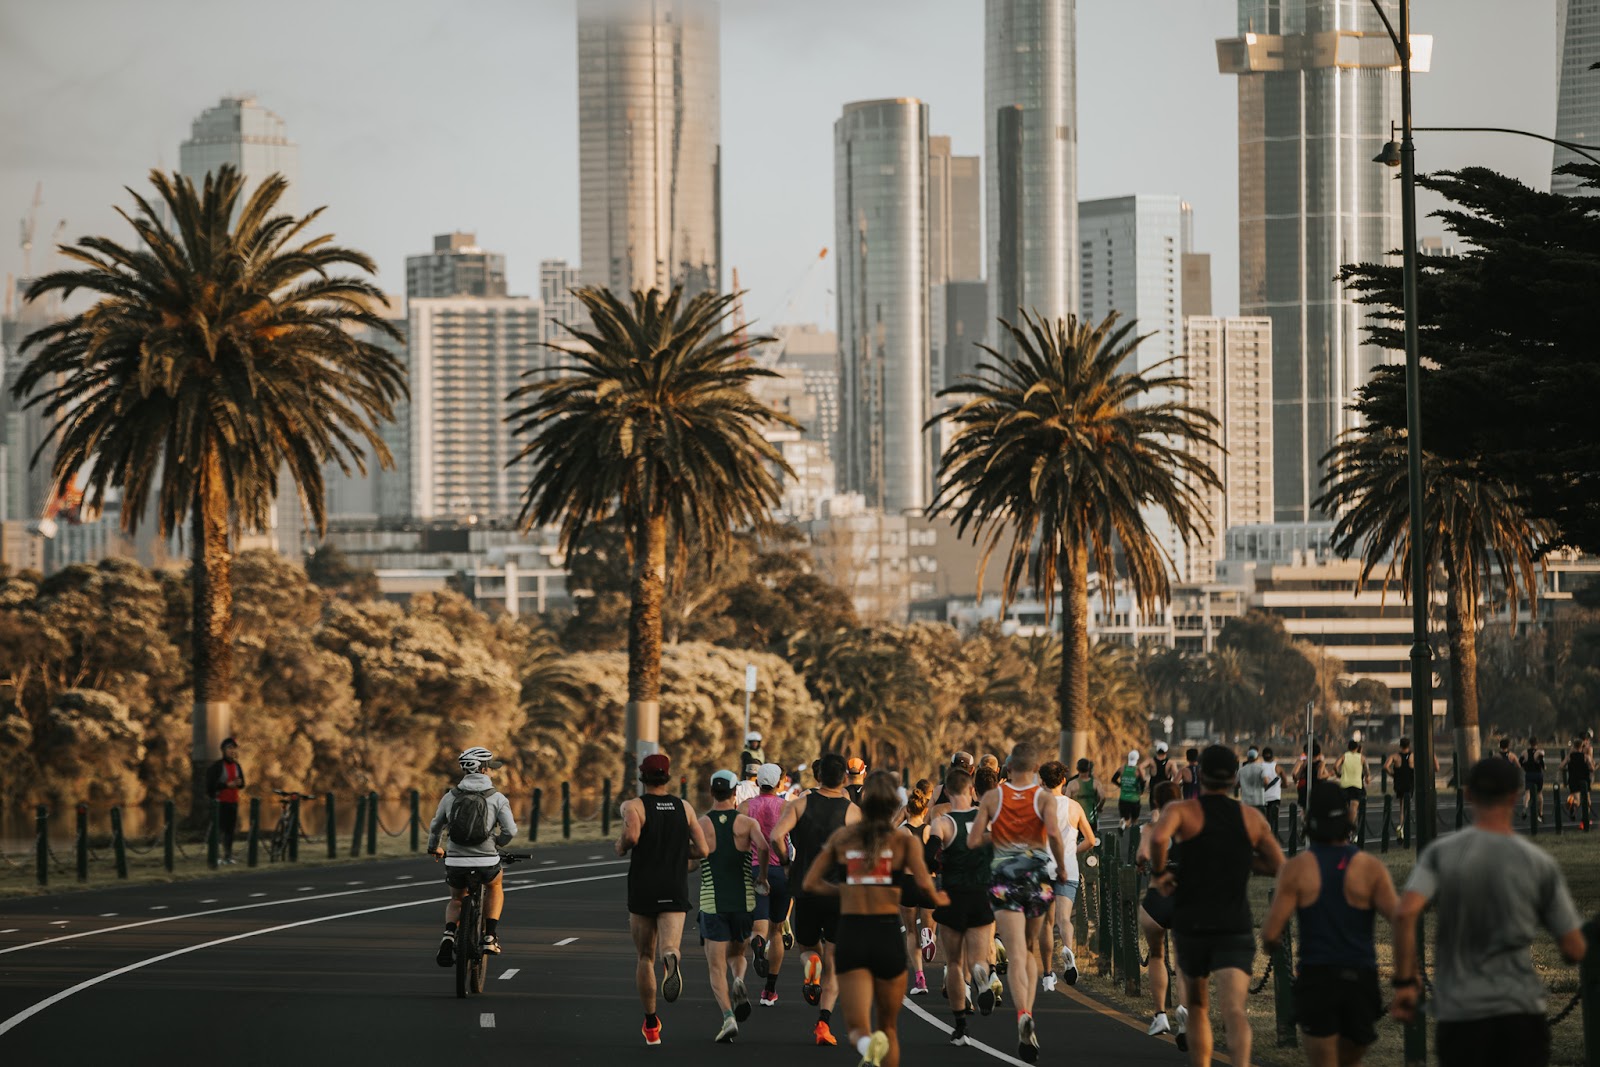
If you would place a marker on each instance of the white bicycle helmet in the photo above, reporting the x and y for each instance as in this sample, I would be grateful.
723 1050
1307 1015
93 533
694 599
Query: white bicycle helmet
475 759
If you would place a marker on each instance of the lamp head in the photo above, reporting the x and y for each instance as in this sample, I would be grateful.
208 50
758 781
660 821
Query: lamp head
1390 156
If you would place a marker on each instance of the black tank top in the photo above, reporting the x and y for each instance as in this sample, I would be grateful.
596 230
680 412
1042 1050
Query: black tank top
823 815
1533 763
1332 933
1212 888
1404 776
1159 774
658 865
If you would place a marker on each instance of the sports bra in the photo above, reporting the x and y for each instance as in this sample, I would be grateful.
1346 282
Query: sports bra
861 869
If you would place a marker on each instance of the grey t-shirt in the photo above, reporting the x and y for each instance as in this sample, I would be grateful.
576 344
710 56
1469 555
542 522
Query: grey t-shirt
1494 892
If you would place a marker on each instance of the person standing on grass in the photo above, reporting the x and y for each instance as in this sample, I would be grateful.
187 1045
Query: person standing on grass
224 780
1493 892
1335 889
1223 842
1271 788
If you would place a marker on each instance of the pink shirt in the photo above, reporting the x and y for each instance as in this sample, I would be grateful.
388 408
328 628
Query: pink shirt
766 810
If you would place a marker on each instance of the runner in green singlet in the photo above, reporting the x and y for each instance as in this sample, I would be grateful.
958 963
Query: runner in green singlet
728 887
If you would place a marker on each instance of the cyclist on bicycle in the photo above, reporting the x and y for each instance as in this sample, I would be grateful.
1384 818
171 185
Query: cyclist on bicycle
478 820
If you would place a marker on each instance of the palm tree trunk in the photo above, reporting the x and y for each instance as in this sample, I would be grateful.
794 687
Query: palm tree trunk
643 719
1461 627
1073 694
212 579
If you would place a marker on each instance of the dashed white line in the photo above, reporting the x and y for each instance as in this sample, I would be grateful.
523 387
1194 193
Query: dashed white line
548 862
258 894
403 878
108 915
972 1042
158 907
592 857
486 1020
565 941
13 930
356 882
209 900
305 889
509 972
61 922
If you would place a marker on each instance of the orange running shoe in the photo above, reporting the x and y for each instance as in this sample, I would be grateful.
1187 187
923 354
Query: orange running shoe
652 1034
824 1035
811 985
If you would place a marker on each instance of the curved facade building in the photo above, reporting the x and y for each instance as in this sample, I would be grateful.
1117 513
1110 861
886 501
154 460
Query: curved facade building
650 144
880 153
1031 160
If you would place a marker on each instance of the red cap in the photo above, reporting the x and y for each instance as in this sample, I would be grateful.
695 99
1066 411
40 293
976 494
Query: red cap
656 763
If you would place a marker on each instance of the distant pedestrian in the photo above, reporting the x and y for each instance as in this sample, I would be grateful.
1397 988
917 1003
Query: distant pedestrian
1130 786
1271 789
1533 780
1335 889
1252 790
1189 774
224 780
1494 892
1402 769
961 761
1353 777
855 775
1087 791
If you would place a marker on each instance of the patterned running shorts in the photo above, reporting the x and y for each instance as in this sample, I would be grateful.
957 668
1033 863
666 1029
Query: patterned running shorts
1020 881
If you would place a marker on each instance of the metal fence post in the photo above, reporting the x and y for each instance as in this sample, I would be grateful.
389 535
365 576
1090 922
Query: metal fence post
169 839
361 824
1589 984
82 843
416 821
372 823
533 816
1461 813
331 824
294 828
214 836
1294 829
566 810
1411 824
1103 936
1556 806
1283 990
1388 819
605 808
1128 895
1361 827
41 846
119 847
253 845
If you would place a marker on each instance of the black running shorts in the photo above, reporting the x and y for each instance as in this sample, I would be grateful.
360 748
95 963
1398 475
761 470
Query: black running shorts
1338 1002
456 877
816 919
1493 1042
1160 907
1201 954
774 906
874 943
969 909
1128 809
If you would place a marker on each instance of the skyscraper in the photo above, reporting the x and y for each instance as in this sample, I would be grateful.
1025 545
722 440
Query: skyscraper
1578 102
1131 261
955 242
1318 86
456 267
880 198
241 133
1031 156
557 280
649 144
1229 366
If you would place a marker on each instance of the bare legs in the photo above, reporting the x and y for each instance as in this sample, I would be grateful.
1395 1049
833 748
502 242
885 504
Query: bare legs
652 932
1018 934
1233 987
862 993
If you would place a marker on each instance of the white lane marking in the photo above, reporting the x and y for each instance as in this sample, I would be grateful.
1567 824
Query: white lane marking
208 900
108 915
356 882
61 922
89 983
947 1028
592 857
548 862
566 941
509 972
305 889
251 907
404 878
158 907
486 1020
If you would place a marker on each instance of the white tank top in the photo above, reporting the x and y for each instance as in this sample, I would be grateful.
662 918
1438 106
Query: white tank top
1065 806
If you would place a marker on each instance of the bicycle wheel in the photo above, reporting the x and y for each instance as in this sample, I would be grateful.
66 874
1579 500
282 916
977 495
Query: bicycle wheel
464 945
480 958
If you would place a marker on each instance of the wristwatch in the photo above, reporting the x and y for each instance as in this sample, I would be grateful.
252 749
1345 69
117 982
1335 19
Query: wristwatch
1405 983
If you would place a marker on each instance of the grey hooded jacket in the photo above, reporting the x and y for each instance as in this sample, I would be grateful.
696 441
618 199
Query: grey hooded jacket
486 852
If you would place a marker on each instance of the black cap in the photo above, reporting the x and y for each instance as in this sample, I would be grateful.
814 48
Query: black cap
1327 813
226 741
1219 766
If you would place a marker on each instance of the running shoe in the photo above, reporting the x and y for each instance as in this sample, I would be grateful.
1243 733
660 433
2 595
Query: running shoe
741 1001
671 980
985 998
652 1034
877 1049
760 945
823 1035
729 1031
788 935
447 951
929 948
1048 982
1001 961
811 984
999 989
1181 1034
1159 1025
491 944
1027 1039
919 987
1070 972
958 1036
769 998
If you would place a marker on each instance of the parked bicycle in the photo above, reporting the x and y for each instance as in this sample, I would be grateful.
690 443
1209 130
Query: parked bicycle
472 963
288 826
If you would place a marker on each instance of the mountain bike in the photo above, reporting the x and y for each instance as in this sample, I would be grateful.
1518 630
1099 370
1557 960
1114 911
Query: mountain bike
472 963
283 833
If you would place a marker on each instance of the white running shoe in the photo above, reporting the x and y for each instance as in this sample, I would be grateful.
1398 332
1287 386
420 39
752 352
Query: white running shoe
877 1047
741 1001
985 988
1048 982
729 1031
1070 971
1181 1034
1027 1040
1159 1025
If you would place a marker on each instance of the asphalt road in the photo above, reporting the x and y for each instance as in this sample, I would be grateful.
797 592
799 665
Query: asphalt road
335 966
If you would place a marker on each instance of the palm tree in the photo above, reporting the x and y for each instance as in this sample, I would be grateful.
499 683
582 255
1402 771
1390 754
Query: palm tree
1474 526
1169 676
1229 693
1060 446
222 348
650 417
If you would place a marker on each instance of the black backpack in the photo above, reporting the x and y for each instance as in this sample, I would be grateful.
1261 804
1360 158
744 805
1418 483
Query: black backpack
470 819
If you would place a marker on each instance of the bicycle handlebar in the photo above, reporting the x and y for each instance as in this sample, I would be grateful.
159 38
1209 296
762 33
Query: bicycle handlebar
515 857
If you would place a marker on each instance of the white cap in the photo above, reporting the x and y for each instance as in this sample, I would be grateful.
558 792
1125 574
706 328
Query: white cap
753 737
769 775
1133 757
1161 746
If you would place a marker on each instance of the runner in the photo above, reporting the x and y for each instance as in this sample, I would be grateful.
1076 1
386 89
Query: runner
748 788
1353 778
855 774
1272 791
1087 790
1155 919
1318 770
1252 787
985 781
662 835
1130 787
1077 837
772 909
1189 774
1158 768
1211 922
475 835
752 756
1335 889
1494 892
1579 766
916 913
966 924
1403 780
1020 818
870 956
812 819
729 884
1533 780
959 761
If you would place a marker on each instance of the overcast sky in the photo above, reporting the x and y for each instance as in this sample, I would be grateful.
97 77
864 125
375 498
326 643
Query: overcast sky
415 117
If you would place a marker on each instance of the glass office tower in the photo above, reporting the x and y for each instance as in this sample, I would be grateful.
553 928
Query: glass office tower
1578 103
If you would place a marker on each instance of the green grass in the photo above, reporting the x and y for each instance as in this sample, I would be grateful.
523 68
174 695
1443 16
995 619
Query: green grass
1579 857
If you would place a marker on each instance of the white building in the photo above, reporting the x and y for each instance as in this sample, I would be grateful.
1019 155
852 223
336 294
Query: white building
456 267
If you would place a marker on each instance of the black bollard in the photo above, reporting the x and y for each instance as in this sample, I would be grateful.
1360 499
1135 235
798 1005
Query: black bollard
82 842
1361 827
416 822
213 837
169 836
1388 817
372 824
566 811
605 808
253 853
294 828
119 847
1294 829
361 824
533 816
41 847
330 824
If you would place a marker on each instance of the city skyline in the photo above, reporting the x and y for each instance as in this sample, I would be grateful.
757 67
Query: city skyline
521 197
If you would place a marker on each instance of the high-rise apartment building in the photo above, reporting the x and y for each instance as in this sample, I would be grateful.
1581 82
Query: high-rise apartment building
815 353
465 355
557 280
1578 101
1229 366
880 153
359 498
649 144
1318 86
456 267
1031 156
1131 261
1196 283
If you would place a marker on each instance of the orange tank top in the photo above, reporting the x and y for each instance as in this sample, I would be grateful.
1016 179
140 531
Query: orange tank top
1017 824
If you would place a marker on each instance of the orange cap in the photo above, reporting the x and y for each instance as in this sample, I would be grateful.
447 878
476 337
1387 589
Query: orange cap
856 765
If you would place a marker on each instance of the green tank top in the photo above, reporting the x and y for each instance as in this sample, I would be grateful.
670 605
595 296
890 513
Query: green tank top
962 867
727 881
1128 780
